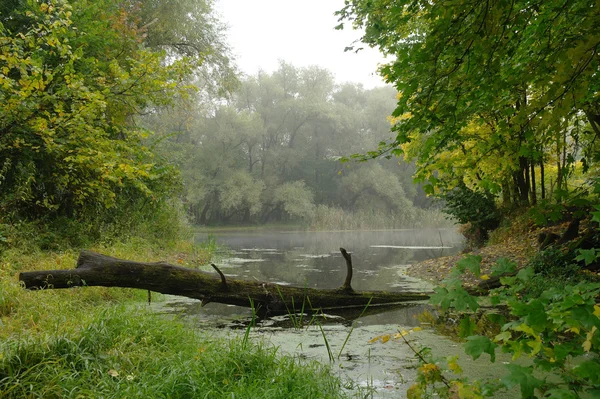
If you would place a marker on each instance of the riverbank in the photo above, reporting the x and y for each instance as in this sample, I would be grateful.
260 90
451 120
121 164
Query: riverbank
106 342
518 244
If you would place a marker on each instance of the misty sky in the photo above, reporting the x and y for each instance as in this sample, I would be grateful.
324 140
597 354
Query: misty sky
301 32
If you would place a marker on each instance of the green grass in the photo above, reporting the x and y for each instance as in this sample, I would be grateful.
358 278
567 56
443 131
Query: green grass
122 352
97 342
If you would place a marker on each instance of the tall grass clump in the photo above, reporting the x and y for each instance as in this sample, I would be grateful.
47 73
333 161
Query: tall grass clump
334 218
124 352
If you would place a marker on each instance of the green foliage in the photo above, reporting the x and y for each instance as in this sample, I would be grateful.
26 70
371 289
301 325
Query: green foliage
99 342
124 352
62 148
554 262
556 327
488 91
296 199
475 208
589 256
74 77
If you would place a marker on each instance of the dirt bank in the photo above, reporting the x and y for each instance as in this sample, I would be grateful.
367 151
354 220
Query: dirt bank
518 247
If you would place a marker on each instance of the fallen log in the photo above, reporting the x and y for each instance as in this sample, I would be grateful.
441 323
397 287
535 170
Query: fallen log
95 269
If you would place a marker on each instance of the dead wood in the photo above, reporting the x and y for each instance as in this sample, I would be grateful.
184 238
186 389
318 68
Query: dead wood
95 269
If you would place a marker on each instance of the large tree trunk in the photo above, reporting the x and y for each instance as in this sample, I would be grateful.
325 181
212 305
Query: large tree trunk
94 269
522 181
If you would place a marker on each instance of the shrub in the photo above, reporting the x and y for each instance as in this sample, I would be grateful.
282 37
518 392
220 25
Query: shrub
476 209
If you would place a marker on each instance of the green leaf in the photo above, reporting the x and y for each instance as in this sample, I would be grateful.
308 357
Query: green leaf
562 351
522 376
466 327
478 344
536 317
471 263
525 274
496 318
589 256
588 370
561 394
503 266
440 297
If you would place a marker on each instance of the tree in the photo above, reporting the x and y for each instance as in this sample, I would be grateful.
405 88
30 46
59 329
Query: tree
71 84
506 76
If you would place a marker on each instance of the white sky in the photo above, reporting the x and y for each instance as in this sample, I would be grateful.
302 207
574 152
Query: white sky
300 32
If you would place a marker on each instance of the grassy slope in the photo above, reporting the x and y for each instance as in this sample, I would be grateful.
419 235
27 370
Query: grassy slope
100 342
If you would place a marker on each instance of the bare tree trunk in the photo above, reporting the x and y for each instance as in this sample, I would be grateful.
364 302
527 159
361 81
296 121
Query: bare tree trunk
522 183
533 187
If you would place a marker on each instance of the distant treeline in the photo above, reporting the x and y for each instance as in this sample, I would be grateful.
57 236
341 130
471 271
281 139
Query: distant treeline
272 151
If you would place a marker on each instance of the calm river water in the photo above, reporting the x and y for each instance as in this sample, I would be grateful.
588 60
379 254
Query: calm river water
380 260
313 259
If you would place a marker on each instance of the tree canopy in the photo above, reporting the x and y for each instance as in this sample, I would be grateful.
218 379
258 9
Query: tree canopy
489 91
74 78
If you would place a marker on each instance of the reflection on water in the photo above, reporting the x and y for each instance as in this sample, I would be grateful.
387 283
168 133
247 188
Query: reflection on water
312 259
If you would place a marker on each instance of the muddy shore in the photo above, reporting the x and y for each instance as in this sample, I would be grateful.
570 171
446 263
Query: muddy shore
516 247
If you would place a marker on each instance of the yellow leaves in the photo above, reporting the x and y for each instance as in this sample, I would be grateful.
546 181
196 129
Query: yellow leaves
386 337
401 334
454 366
587 345
596 311
460 390
574 330
431 372
415 392
404 117
484 277
383 338
536 346
52 42
503 336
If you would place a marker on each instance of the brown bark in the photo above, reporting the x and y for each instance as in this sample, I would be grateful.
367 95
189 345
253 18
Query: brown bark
522 181
94 269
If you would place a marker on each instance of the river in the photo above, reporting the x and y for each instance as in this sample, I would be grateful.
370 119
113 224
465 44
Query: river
312 259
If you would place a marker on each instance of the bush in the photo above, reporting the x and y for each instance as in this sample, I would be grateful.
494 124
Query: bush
475 209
